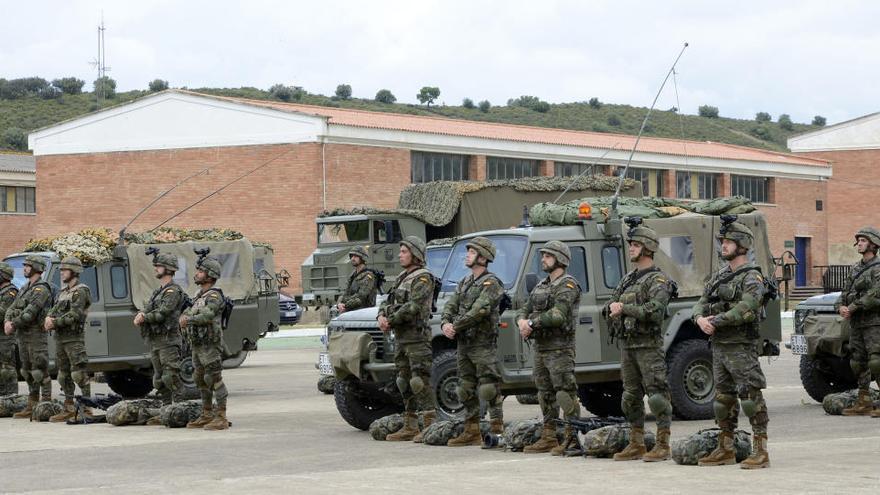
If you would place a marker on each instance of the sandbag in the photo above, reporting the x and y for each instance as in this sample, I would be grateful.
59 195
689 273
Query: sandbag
687 451
133 412
609 440
326 384
178 414
11 404
826 333
46 409
834 404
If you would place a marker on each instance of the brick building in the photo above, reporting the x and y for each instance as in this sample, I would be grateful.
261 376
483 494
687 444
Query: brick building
274 166
17 201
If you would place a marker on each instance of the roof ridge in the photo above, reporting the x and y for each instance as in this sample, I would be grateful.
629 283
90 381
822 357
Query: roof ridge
773 152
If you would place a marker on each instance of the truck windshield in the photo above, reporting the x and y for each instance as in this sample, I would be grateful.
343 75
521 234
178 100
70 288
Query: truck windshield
437 257
509 252
355 231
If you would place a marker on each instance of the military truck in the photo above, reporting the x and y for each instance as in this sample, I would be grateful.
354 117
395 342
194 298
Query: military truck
361 356
121 286
435 210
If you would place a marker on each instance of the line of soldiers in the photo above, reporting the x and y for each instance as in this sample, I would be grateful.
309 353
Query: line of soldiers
31 313
728 312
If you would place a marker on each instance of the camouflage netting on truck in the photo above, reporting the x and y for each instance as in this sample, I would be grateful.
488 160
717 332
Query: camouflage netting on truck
544 214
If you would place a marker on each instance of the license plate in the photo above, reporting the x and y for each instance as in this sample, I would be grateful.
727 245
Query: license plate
290 314
798 344
324 366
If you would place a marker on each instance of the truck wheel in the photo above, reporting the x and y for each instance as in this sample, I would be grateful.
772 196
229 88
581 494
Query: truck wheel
444 380
190 391
129 383
602 399
528 399
357 407
690 378
819 380
235 361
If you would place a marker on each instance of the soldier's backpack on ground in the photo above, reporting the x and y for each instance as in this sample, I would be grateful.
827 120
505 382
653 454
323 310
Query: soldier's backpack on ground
834 404
133 412
609 440
11 404
326 384
520 434
687 451
46 409
387 425
440 432
178 414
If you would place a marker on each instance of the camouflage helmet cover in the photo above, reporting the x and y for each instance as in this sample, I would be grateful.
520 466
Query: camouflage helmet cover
646 236
738 233
869 233
415 245
483 246
72 263
169 261
6 271
38 263
558 250
210 266
359 251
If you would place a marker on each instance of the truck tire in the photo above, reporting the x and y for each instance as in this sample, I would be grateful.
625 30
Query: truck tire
602 399
356 407
444 381
820 381
690 378
190 390
129 384
235 361
527 399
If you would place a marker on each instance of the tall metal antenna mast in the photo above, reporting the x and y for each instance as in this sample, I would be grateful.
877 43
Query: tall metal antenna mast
100 63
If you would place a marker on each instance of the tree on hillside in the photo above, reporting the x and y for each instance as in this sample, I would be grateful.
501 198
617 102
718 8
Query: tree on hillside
157 85
763 117
21 87
595 103
468 103
708 111
108 84
281 92
785 122
14 138
343 92
819 121
530 102
428 94
613 120
385 96
69 85
485 106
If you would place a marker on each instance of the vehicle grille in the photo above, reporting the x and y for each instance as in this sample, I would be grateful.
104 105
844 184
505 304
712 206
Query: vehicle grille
287 305
378 339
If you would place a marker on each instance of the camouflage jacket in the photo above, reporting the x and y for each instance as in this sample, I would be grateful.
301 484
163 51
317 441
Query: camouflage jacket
29 309
473 309
736 304
644 295
360 292
70 311
861 294
203 318
7 297
408 307
162 313
553 306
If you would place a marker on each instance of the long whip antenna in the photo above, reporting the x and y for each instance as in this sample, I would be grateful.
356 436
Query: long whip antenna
156 200
587 169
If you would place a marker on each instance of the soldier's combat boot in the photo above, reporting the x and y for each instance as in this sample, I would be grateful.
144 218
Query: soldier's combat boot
723 455
875 413
862 407
66 412
408 432
469 436
546 443
661 450
636 449
28 409
759 458
567 439
200 422
219 422
428 418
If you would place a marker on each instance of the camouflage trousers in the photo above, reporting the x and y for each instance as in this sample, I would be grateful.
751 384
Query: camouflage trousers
478 372
864 342
33 349
413 361
72 362
8 372
165 358
644 373
738 375
554 379
208 374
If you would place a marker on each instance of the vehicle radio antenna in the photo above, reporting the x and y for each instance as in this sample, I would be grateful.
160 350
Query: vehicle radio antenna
587 169
156 200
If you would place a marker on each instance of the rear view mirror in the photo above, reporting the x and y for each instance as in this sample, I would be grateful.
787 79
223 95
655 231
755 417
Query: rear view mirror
531 282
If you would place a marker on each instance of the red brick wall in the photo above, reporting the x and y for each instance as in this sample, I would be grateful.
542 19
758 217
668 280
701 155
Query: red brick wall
15 231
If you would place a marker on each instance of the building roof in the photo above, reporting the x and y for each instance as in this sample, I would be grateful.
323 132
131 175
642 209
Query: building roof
529 134
18 162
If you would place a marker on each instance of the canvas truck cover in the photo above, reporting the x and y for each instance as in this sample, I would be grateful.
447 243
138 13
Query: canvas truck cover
237 257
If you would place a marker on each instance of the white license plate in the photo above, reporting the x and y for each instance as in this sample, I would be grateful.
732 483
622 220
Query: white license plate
290 314
324 366
798 344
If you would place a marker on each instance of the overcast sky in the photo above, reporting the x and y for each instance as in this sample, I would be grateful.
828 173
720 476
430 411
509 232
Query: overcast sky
802 58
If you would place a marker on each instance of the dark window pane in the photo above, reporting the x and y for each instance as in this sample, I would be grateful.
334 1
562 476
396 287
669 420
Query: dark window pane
118 282
611 269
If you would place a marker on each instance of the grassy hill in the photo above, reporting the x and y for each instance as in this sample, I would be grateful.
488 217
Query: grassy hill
33 112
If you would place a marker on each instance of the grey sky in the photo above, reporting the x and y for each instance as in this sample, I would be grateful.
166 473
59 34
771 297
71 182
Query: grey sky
801 58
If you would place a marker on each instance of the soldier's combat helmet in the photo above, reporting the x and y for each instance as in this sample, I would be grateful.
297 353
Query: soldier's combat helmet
415 245
169 261
483 246
210 266
558 250
71 263
735 231
360 252
6 271
37 263
640 233
869 233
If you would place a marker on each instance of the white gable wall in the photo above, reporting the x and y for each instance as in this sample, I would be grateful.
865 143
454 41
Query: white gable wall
858 134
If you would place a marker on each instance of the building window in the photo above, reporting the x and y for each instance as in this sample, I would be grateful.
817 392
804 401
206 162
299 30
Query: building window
18 199
756 189
652 180
510 168
569 169
696 185
429 167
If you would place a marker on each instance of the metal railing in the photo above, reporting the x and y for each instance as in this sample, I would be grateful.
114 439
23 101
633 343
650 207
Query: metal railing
834 276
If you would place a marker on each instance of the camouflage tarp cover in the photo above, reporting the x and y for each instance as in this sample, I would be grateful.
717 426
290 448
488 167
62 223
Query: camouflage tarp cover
609 440
834 404
178 414
543 214
46 409
687 451
11 404
133 412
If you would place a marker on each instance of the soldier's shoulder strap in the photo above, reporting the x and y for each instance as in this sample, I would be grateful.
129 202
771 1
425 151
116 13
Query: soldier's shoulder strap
637 275
864 268
40 286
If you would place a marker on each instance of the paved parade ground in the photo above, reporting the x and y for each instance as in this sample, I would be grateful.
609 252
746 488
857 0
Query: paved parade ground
288 438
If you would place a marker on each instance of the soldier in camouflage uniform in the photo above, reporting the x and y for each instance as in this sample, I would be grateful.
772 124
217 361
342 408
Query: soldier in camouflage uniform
471 317
360 291
160 329
8 372
67 319
635 314
25 318
203 331
729 312
406 312
549 317
860 304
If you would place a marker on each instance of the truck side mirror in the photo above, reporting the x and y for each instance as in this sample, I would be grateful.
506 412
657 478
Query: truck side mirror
531 282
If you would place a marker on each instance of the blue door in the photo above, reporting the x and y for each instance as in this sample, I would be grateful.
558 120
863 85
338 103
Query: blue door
801 248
